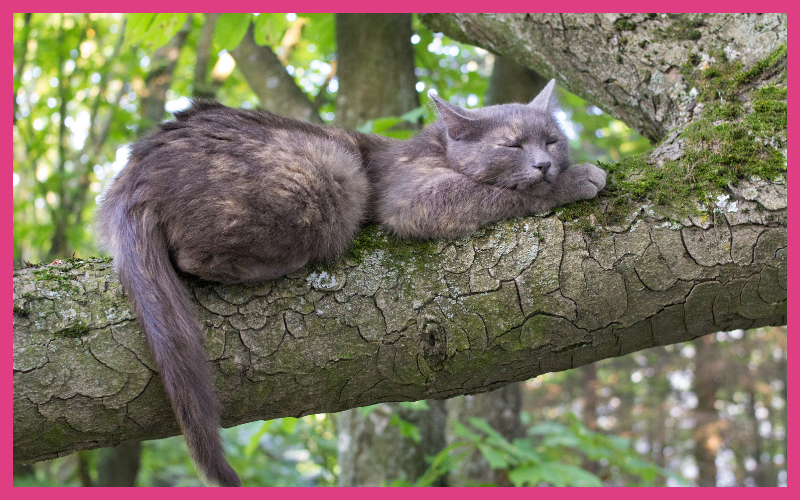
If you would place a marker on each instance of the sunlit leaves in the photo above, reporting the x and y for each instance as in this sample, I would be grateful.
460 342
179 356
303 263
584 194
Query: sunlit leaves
553 473
230 30
553 455
151 31
268 28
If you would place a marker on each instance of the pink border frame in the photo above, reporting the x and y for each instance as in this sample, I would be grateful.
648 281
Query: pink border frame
394 493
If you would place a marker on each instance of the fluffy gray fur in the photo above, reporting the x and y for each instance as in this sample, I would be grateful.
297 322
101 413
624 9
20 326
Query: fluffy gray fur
238 196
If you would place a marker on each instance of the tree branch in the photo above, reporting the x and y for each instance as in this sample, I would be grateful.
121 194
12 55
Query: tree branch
630 65
275 88
396 320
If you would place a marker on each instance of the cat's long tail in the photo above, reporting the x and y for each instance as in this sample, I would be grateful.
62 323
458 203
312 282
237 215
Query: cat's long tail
162 305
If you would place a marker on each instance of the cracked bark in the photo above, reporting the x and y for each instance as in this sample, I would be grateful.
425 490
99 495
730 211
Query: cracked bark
404 320
628 65
514 300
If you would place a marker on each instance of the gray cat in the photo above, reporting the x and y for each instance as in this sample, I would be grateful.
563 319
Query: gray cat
239 196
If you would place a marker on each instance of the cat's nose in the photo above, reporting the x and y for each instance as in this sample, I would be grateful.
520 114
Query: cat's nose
543 166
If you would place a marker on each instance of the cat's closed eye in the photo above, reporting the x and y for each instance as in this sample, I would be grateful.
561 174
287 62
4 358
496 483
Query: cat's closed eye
551 142
512 145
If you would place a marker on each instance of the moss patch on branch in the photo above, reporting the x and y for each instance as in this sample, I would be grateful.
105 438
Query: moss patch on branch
728 143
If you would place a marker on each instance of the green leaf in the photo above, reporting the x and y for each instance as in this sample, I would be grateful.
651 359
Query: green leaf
268 28
406 428
487 429
523 476
554 473
366 410
152 31
443 462
252 445
288 424
136 27
382 125
230 30
461 430
495 459
321 31
547 428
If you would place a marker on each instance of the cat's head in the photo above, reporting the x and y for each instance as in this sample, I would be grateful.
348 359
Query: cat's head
515 146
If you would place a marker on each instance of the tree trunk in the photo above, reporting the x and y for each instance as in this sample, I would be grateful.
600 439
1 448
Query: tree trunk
509 82
500 409
406 320
373 451
375 67
202 88
119 466
708 427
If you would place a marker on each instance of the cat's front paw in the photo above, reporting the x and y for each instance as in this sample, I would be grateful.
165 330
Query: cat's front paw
581 182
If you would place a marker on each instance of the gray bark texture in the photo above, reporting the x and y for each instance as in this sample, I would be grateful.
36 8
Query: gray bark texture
403 320
628 65
500 408
375 67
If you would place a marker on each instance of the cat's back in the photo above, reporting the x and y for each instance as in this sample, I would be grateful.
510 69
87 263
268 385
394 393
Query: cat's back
244 176
210 128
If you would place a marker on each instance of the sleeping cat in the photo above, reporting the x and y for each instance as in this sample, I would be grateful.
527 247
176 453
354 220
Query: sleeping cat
240 196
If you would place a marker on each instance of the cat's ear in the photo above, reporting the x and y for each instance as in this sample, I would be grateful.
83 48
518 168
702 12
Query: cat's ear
459 121
546 100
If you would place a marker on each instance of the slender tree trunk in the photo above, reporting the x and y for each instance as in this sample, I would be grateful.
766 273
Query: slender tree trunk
375 67
509 82
59 246
374 452
119 466
158 81
20 56
500 409
707 432
202 87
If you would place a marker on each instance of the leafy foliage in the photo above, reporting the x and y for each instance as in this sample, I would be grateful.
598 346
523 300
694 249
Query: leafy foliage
79 80
552 455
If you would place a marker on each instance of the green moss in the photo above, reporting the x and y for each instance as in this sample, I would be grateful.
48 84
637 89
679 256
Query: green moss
624 24
769 115
683 27
74 331
396 251
720 148
20 311
55 280
728 110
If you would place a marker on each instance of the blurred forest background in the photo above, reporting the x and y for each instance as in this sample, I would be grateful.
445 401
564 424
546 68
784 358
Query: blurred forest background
708 412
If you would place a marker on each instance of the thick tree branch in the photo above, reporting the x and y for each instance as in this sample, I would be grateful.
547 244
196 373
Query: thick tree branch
628 64
396 320
400 320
